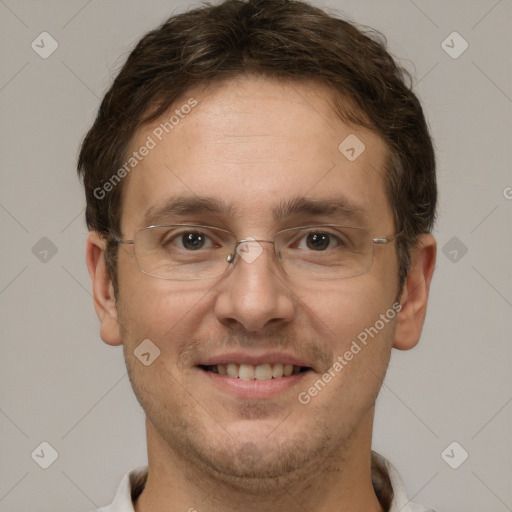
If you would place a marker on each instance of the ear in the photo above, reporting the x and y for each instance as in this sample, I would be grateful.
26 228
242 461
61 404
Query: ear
102 290
415 292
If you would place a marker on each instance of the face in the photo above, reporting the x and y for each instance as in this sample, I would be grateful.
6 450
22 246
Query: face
253 147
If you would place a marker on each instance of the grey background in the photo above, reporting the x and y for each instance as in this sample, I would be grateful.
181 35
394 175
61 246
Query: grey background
62 385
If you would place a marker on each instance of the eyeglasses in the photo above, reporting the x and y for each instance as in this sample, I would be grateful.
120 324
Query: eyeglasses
184 252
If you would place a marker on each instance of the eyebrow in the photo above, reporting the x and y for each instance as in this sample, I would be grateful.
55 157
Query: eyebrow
194 205
187 205
317 207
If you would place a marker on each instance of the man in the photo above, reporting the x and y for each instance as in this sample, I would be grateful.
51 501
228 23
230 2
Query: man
261 189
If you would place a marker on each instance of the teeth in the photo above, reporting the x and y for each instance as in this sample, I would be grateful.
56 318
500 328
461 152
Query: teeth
232 370
261 372
246 372
277 371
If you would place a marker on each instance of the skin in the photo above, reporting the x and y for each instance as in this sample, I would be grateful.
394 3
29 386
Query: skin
254 143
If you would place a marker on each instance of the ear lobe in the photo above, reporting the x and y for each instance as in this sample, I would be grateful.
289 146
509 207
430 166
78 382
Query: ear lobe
415 293
102 290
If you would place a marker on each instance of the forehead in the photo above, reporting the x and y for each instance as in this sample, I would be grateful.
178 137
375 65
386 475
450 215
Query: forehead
253 147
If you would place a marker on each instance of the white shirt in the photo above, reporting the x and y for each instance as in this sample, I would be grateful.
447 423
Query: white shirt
137 478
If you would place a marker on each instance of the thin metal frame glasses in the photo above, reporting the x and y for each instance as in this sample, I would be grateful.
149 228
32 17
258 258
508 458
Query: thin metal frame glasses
185 252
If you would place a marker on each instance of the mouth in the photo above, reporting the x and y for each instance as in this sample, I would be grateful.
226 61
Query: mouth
250 376
260 372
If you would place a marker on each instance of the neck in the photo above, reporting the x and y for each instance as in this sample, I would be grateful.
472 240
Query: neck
341 482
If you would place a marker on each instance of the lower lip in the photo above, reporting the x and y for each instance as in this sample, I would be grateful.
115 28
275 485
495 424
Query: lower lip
255 389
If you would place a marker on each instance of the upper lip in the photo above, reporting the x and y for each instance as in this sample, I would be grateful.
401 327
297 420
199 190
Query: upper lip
255 360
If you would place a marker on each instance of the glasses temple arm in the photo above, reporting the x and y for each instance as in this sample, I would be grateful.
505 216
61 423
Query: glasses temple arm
386 240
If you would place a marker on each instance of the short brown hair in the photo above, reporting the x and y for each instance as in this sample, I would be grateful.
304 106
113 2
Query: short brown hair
284 40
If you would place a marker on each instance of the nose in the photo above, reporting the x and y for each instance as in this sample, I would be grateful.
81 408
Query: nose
254 296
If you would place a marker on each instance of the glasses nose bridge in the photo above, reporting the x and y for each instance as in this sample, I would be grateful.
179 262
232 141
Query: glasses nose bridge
250 239
257 241
239 243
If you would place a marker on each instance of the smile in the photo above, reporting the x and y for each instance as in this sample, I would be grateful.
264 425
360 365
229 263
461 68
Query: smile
265 371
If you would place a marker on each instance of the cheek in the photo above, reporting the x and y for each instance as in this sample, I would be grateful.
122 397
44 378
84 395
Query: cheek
360 343
345 308
158 309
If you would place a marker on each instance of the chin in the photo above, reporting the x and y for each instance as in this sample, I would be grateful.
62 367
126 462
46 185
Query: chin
264 463
247 469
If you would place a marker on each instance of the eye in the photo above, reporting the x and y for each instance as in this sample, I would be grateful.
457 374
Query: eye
193 240
318 241
189 240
